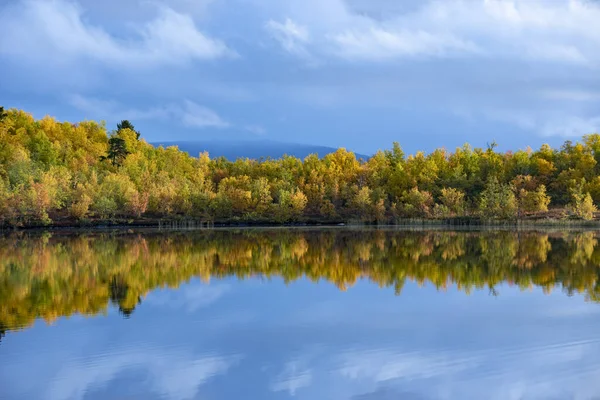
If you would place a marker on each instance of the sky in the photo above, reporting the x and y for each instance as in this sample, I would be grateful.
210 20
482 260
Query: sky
359 74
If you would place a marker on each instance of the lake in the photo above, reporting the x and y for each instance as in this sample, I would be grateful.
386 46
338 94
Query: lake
328 313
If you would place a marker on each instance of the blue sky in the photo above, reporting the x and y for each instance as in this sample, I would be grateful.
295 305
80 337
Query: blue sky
344 73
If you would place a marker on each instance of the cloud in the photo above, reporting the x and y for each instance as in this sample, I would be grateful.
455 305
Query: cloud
188 113
292 37
97 108
58 31
197 116
381 366
548 124
528 372
559 31
571 95
530 64
292 378
173 375
572 126
378 44
189 297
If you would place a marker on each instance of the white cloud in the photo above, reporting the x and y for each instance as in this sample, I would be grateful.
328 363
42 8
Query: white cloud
98 108
174 375
548 124
381 366
558 31
379 44
58 31
527 372
189 297
188 113
572 126
197 116
292 378
292 37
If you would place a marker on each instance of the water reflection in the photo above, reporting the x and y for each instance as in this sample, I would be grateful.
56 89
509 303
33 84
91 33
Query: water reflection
52 275
209 317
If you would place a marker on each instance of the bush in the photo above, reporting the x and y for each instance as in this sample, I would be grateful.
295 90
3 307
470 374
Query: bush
453 202
497 201
582 204
416 204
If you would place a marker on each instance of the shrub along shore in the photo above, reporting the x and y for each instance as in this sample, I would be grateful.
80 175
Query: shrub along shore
69 174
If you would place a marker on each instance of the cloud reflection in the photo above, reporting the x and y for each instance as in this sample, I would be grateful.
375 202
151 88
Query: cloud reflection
175 375
189 297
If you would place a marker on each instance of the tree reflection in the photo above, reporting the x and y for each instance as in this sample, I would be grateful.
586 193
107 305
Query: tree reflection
122 297
52 275
2 332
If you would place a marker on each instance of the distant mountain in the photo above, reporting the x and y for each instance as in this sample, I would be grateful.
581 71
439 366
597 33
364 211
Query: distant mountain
251 149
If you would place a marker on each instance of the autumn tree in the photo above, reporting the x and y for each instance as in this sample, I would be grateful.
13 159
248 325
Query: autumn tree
416 203
6 211
125 124
363 204
582 204
51 169
290 206
452 203
497 201
531 197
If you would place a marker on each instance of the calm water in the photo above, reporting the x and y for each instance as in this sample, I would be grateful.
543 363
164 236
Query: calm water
304 314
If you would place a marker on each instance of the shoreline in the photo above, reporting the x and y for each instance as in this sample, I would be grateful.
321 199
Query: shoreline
466 223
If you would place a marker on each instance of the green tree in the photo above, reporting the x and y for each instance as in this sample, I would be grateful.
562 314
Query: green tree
117 151
582 204
125 124
291 205
416 204
531 197
82 200
363 204
6 209
497 201
454 201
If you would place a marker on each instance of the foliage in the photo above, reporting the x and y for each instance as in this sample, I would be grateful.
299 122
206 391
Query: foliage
453 201
291 205
497 201
531 197
582 205
51 170
125 124
416 203
117 151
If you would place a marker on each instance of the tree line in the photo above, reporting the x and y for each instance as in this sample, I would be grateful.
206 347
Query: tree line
55 275
53 171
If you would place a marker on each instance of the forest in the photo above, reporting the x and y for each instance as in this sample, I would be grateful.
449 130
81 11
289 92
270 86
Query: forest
52 275
62 173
